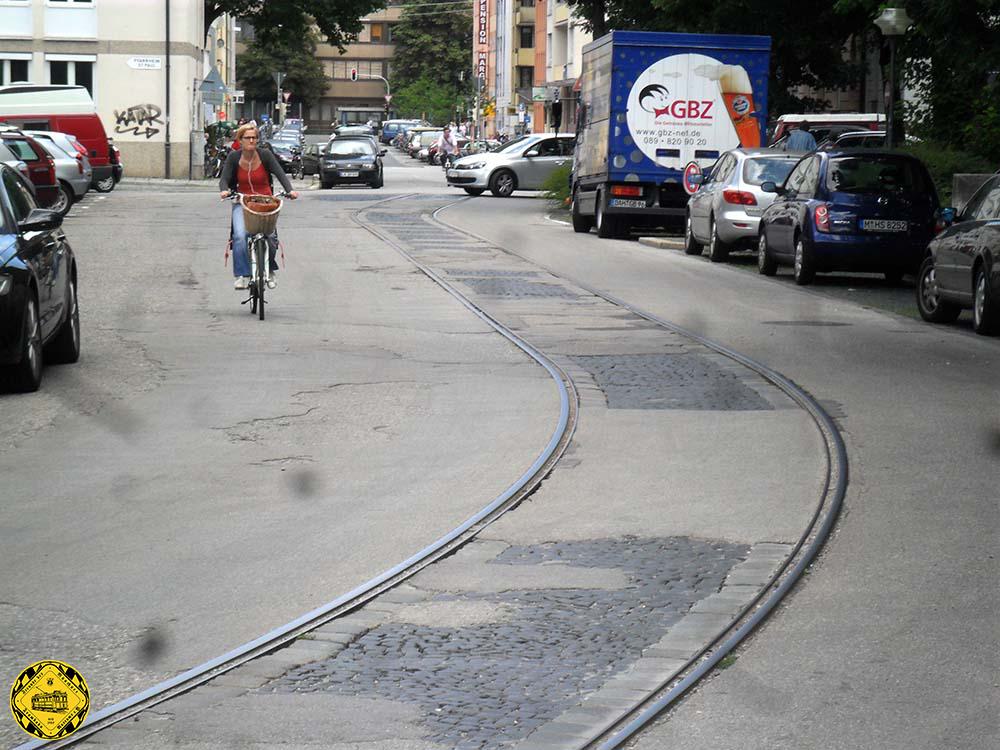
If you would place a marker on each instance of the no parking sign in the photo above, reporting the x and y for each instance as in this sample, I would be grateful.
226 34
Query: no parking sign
690 171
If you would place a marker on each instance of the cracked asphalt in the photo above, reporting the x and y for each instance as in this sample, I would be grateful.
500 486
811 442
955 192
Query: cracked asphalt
627 560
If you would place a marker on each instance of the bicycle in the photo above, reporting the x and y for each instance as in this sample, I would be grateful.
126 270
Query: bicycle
259 225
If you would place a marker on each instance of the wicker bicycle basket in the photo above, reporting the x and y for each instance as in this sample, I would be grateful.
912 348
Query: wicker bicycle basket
260 213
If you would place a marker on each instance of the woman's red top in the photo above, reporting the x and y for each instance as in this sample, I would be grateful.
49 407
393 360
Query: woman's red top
254 182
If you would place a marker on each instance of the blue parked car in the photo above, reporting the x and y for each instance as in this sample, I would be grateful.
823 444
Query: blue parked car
849 210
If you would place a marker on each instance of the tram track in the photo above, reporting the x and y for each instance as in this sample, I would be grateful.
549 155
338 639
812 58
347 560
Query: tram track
631 720
522 488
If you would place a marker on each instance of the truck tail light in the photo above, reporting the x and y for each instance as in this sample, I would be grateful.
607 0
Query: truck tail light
634 191
739 197
821 218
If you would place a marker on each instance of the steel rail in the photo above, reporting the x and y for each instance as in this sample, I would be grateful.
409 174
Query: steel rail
523 487
615 733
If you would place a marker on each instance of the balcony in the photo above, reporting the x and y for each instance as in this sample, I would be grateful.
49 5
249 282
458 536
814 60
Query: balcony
525 56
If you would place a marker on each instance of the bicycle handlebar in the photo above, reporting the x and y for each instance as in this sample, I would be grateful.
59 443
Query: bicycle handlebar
234 195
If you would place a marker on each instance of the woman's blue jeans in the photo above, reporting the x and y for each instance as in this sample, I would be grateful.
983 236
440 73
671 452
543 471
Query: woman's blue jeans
241 262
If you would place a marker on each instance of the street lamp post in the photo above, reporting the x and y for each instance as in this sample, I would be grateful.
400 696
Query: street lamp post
893 23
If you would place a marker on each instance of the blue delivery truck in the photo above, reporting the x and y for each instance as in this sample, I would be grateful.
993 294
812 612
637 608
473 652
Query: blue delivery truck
655 109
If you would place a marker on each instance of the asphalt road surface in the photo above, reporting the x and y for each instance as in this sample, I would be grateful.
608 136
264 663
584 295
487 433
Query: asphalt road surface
201 477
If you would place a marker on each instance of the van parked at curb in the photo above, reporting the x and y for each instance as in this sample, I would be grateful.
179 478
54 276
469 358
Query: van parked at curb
66 109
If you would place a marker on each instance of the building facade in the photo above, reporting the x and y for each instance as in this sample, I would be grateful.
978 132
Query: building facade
119 50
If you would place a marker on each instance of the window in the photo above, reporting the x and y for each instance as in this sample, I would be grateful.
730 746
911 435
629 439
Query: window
527 34
13 71
875 174
971 210
525 76
990 207
377 33
73 2
527 3
73 72
21 201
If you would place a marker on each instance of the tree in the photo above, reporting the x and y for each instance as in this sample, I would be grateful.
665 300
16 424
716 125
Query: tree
807 39
338 20
432 65
951 56
297 59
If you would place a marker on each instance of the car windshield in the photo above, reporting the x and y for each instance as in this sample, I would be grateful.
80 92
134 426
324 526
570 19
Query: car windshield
875 174
774 169
514 143
351 148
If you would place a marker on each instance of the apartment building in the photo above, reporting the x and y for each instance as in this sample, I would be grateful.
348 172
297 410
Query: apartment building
129 57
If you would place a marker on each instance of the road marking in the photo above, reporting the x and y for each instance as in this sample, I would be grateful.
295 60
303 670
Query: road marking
548 217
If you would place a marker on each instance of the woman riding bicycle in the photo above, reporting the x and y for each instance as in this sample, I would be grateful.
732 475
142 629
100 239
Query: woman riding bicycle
250 171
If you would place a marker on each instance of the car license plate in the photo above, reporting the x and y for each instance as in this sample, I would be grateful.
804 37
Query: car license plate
884 225
348 174
627 203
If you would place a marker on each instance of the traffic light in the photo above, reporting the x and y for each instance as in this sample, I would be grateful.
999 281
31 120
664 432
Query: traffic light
354 74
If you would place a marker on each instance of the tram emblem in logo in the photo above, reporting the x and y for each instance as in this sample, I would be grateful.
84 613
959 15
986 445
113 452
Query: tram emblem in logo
50 700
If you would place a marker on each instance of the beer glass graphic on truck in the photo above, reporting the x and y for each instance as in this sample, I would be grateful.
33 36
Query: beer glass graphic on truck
737 93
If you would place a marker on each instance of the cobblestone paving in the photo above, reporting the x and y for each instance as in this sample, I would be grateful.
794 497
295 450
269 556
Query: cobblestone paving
514 287
670 381
491 685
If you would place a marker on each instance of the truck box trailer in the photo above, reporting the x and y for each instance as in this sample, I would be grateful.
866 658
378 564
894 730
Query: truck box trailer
655 109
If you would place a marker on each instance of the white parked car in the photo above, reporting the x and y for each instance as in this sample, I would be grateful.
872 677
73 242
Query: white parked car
521 164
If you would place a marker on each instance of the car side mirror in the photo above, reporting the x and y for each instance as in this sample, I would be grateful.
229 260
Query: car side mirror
531 153
41 220
948 216
383 151
696 179
768 187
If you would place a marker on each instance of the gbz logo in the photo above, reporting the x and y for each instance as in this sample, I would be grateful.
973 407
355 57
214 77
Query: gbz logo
655 99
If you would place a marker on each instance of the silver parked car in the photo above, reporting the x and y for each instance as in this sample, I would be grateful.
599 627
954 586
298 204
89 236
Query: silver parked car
521 164
73 171
12 160
726 210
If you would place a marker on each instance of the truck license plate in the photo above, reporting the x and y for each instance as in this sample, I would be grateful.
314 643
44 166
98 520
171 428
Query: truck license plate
627 203
348 174
884 225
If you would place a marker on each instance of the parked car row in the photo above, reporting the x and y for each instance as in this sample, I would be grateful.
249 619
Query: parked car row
857 210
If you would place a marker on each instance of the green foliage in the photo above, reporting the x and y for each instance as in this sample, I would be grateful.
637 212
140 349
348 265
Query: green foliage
808 39
425 98
432 65
944 161
338 20
305 77
556 187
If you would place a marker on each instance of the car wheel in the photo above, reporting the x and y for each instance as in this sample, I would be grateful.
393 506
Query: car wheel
929 303
718 251
64 199
106 185
26 375
608 227
300 173
766 265
691 245
581 224
805 270
378 181
502 183
65 347
985 312
475 191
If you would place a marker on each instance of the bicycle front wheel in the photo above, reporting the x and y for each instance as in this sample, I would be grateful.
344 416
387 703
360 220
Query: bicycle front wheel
260 250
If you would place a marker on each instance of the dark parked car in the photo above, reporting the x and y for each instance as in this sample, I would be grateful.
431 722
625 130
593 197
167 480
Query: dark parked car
41 166
350 161
961 268
311 155
39 314
288 149
855 210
